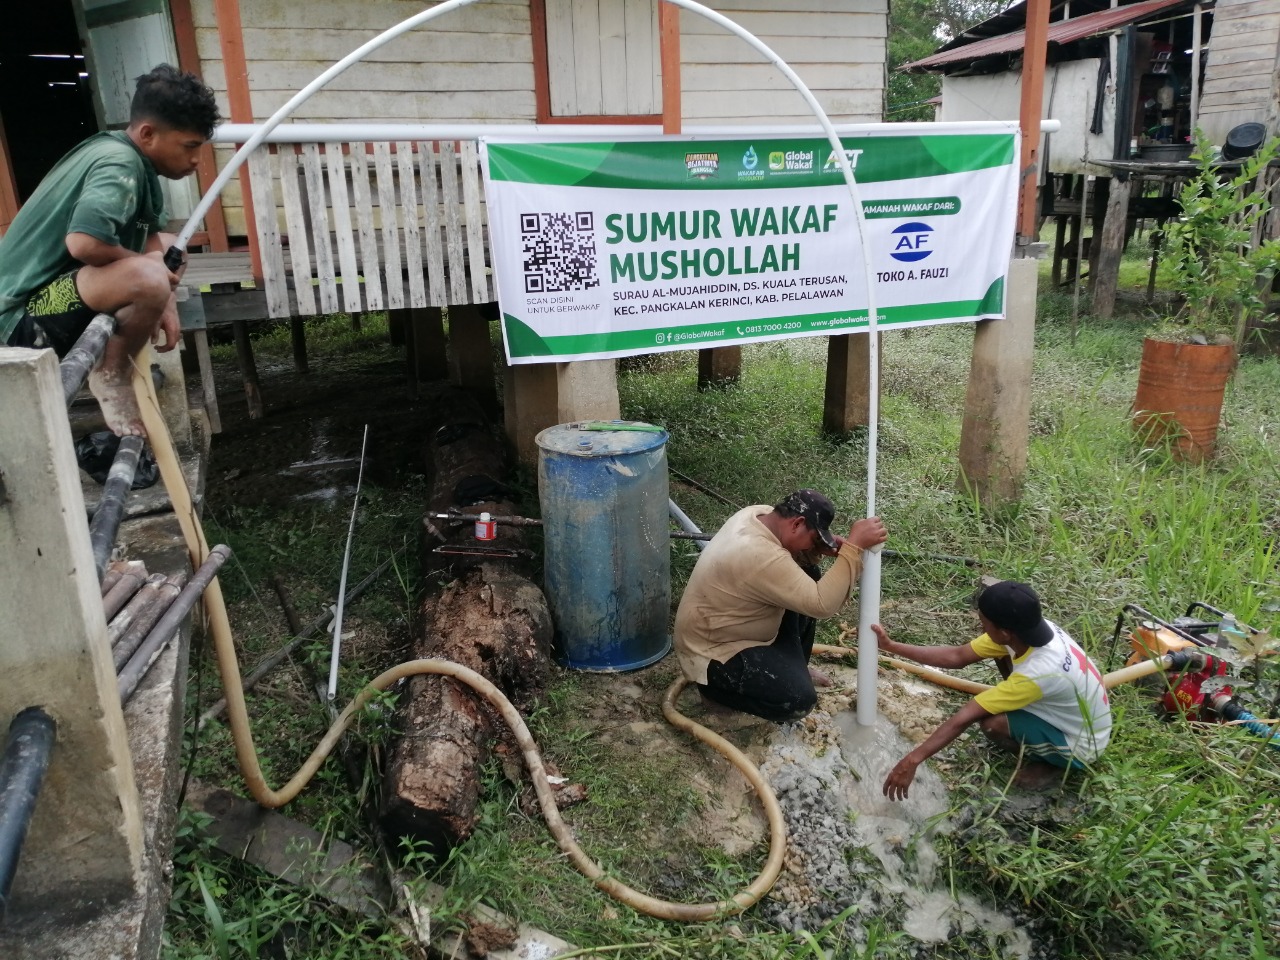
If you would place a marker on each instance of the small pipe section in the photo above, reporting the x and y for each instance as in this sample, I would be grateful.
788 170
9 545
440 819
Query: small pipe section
1231 711
131 675
682 520
165 593
136 608
106 519
112 576
86 353
131 580
22 770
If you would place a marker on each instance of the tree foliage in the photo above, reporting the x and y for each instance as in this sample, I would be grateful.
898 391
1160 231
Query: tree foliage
916 29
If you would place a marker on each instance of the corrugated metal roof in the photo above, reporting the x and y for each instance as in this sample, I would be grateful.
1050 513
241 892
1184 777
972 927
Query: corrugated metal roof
1064 31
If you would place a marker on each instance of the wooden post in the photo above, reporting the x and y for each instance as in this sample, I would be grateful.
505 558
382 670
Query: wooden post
1035 51
184 36
236 68
1106 253
298 336
471 359
847 403
428 357
248 368
997 406
719 367
8 186
87 832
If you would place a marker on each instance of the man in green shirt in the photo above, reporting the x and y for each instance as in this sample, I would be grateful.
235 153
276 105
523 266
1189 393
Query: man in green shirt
88 240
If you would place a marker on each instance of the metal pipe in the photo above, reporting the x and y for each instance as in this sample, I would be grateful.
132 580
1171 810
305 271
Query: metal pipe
131 675
165 593
682 520
233 133
85 354
106 519
112 576
131 580
146 596
22 770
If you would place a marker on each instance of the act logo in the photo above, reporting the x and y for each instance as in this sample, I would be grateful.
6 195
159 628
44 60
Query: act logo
749 159
911 242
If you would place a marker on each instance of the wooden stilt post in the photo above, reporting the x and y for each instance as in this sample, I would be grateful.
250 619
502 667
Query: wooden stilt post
430 359
298 334
471 359
847 403
248 368
1106 261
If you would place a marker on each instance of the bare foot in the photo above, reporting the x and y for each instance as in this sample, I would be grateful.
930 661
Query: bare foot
114 392
819 678
1038 776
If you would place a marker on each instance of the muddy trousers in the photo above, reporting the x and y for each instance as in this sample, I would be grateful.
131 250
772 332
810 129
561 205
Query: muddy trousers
771 681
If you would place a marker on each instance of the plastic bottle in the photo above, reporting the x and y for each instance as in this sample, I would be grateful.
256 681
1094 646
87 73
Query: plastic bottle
485 527
1230 633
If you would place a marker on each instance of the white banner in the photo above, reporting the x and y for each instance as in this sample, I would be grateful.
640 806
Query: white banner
638 246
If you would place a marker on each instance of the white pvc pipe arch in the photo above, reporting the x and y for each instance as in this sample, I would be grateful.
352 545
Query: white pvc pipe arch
869 590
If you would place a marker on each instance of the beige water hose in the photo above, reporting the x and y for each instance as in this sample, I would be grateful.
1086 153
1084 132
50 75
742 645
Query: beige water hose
246 754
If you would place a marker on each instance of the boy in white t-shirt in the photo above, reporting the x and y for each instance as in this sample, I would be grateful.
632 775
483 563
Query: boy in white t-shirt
1051 707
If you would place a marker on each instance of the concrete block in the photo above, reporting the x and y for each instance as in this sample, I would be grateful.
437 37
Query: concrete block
997 409
87 833
541 395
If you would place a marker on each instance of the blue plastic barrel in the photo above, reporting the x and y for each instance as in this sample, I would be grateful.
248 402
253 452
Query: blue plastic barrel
607 572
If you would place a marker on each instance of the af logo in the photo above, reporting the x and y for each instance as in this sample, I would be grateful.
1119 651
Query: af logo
749 159
911 242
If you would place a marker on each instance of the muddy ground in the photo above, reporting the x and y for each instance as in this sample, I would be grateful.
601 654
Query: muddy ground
848 846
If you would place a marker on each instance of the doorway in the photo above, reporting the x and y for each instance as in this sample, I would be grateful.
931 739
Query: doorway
46 102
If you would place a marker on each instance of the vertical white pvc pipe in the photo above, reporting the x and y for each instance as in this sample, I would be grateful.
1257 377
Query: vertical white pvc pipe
869 587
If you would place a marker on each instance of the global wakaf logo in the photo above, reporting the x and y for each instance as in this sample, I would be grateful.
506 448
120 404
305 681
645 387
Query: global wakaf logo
911 242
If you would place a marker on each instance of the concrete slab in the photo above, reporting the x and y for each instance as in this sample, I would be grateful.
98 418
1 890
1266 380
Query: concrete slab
90 922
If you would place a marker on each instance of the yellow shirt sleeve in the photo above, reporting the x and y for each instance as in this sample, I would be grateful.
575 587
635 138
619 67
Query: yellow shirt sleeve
1012 694
987 648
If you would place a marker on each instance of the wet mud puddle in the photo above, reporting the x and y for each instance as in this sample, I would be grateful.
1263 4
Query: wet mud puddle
851 849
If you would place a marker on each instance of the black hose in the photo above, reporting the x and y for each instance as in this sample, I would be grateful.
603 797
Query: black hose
86 353
106 519
132 673
22 770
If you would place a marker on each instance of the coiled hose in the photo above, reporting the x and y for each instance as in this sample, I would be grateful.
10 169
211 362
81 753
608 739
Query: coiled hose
247 757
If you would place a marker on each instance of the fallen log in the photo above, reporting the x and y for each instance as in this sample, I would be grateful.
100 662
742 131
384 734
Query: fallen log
497 623
491 617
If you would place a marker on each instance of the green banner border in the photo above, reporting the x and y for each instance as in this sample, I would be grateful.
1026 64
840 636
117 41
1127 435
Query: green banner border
524 341
670 164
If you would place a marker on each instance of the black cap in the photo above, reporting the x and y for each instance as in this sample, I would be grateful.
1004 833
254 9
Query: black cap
818 512
1016 607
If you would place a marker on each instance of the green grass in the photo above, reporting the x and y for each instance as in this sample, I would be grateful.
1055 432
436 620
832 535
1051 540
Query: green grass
1167 850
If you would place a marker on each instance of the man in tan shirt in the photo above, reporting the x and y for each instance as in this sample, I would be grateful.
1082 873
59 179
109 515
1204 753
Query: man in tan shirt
745 626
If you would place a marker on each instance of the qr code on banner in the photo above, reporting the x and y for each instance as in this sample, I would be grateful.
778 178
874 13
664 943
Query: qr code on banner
559 252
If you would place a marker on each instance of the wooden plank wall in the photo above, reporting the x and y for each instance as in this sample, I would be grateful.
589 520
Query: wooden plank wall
840 55
1240 76
474 65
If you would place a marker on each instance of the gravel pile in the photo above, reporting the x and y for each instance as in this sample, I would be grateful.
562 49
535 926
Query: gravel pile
851 849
